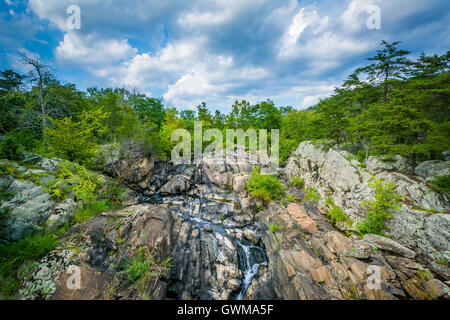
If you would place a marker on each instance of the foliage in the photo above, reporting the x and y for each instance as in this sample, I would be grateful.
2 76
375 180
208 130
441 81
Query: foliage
337 214
74 141
144 267
84 182
313 195
274 227
264 186
15 254
441 184
385 200
297 182
11 148
91 210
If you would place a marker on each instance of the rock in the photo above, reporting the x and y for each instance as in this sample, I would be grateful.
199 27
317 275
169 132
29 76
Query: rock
321 274
432 168
62 213
300 215
27 211
446 155
389 245
347 184
436 289
398 163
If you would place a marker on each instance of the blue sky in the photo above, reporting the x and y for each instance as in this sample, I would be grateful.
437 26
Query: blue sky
189 51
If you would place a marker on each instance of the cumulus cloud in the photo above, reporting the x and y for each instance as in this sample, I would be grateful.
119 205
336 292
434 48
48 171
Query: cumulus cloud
91 49
193 51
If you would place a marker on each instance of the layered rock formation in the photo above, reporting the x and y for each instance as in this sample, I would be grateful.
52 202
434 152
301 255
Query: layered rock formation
423 222
223 244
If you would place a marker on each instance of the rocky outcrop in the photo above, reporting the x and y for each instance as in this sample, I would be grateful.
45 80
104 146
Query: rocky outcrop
27 206
430 169
208 239
418 224
328 265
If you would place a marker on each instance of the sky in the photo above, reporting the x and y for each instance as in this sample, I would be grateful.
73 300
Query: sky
190 51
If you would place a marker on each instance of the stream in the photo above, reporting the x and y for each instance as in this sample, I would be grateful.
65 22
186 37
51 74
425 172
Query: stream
192 210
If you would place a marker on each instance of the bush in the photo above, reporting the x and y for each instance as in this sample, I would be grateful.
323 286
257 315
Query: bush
441 184
385 200
84 182
336 214
313 195
14 255
10 148
91 210
264 186
297 182
144 267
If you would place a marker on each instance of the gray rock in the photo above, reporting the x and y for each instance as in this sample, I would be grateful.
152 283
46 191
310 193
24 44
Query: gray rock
389 245
432 168
28 210
446 155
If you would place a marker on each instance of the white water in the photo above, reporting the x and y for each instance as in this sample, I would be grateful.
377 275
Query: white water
248 263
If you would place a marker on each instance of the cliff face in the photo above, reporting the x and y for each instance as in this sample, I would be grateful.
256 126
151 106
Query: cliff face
422 223
219 243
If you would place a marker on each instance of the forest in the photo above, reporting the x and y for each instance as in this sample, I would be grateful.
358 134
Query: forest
392 105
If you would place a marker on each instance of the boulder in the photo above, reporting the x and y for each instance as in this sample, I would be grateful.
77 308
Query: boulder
397 163
432 168
389 245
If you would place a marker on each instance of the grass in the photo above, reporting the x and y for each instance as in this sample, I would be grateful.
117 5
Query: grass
297 182
91 210
145 267
337 214
13 255
442 261
264 186
313 195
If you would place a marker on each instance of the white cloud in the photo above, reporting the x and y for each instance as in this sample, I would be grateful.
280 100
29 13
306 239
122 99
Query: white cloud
219 51
91 49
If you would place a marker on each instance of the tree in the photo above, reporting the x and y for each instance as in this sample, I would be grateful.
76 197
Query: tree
75 141
10 80
149 109
40 74
389 64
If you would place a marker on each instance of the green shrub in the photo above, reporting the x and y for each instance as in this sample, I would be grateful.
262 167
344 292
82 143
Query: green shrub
336 214
13 255
441 184
297 182
10 148
313 195
265 187
290 198
84 182
385 200
274 227
144 267
91 210
114 193
329 202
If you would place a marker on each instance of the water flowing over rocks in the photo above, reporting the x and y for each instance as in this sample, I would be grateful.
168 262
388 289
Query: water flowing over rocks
222 245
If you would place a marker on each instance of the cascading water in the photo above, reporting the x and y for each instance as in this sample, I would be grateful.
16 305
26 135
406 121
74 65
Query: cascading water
250 256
